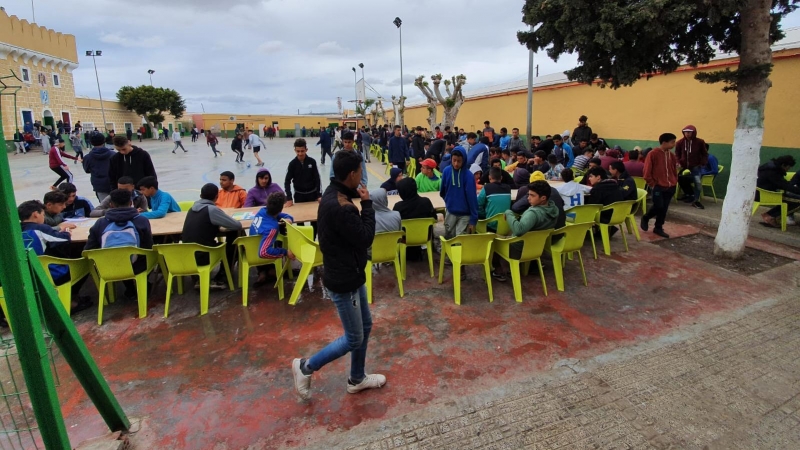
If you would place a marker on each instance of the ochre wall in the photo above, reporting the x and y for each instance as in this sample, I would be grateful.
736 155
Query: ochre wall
665 103
24 35
220 122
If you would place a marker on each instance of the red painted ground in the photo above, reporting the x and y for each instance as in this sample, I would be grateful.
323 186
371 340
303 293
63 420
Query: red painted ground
225 378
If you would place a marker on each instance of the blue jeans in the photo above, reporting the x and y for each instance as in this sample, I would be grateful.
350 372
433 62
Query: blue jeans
698 182
357 323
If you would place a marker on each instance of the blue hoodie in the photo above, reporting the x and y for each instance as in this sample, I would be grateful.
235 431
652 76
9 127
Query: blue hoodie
398 150
445 162
269 228
458 191
476 151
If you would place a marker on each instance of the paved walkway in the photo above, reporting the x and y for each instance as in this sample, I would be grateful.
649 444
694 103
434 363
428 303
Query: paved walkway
730 384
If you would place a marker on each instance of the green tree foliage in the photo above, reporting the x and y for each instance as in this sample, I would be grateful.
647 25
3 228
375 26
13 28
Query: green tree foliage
152 102
620 41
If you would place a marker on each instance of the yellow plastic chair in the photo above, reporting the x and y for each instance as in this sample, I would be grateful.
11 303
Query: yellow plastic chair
386 248
307 251
388 164
572 240
418 232
640 183
578 179
532 249
620 212
789 175
78 269
464 250
630 221
708 181
111 265
584 214
180 262
186 205
249 247
411 169
502 226
772 198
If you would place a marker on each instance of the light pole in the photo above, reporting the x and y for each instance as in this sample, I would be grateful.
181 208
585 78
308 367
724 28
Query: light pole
102 109
397 22
362 71
151 72
355 91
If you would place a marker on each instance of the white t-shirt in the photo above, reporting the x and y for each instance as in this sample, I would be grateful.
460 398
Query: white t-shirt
254 140
573 194
176 135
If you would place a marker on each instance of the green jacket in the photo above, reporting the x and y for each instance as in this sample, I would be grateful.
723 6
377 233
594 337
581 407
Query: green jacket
534 218
425 184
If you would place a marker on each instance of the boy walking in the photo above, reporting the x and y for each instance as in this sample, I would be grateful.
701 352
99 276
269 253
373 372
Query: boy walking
176 137
661 174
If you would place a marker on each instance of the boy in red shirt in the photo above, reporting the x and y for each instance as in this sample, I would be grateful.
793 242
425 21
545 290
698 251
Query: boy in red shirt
661 174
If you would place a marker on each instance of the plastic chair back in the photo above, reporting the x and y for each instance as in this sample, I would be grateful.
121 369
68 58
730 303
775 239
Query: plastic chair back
502 226
620 210
583 213
186 205
573 236
418 231
640 201
769 198
534 243
78 268
789 175
180 258
302 245
475 248
249 247
640 183
112 264
384 246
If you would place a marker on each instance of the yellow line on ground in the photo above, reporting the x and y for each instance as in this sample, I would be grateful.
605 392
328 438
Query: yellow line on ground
377 175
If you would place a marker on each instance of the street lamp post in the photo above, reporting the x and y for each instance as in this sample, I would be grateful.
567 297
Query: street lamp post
93 54
151 72
397 22
355 91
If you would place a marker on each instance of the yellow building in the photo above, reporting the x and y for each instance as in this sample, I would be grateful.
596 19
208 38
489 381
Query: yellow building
225 124
637 115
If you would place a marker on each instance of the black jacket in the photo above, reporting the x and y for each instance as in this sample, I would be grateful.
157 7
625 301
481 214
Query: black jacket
418 146
136 164
413 206
345 235
436 150
505 179
97 163
772 177
628 186
605 193
305 176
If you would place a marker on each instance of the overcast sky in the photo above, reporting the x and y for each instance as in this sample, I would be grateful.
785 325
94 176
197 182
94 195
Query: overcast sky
281 56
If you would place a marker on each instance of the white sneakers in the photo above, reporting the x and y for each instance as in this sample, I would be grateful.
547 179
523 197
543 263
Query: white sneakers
371 381
302 382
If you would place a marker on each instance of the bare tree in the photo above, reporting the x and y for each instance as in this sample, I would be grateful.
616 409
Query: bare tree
451 103
399 105
431 99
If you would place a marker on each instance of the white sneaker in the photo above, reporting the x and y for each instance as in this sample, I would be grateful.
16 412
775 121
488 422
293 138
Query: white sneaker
790 220
302 382
371 381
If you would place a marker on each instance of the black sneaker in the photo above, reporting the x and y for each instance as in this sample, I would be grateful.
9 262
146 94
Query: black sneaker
645 223
499 276
698 205
661 233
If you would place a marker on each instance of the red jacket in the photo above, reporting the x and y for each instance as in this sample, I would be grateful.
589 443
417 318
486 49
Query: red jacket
660 168
55 157
691 152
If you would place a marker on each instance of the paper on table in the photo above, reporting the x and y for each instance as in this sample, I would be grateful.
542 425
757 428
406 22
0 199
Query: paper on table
77 219
244 215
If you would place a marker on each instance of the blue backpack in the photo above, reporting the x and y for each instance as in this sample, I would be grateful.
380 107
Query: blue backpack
119 234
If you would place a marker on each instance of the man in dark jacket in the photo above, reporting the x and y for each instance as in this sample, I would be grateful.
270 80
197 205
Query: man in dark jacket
303 172
97 163
345 235
121 212
605 191
325 143
625 182
398 149
418 145
692 153
581 132
202 226
772 177
130 160
436 150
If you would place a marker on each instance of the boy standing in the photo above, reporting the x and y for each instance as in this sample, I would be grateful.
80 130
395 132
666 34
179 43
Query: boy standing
460 197
661 174
303 172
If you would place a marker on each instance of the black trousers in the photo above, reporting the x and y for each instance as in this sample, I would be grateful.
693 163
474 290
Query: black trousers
63 175
661 199
326 151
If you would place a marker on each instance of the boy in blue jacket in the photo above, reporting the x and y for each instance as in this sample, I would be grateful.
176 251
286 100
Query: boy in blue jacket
161 202
267 223
460 197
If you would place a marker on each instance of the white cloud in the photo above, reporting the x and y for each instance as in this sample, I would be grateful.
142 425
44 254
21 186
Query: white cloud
119 39
271 47
331 47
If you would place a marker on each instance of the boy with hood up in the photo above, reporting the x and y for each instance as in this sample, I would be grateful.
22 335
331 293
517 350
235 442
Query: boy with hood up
258 194
97 164
692 154
460 197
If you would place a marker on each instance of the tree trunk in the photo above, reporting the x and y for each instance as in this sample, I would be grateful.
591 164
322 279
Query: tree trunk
432 114
752 95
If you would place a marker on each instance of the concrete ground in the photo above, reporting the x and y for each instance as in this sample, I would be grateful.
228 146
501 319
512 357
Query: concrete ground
660 350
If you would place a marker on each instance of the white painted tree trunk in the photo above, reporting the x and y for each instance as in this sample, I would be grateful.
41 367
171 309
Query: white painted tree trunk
735 222
432 115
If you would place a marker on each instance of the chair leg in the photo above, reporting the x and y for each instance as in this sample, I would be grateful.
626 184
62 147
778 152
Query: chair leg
784 213
714 193
244 280
112 293
305 271
606 239
368 272
526 267
541 274
487 271
442 256
430 259
65 295
624 239
205 285
179 281
169 294
397 272
141 293
558 270
515 280
456 282
583 270
594 247
227 269
279 282
101 292
403 261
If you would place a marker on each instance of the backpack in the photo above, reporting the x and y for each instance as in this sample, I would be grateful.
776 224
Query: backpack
118 234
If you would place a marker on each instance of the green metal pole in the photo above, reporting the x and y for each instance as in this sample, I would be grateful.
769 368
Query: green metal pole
23 314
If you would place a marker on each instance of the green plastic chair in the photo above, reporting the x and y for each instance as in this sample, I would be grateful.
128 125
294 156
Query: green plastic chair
465 250
573 237
640 183
307 251
578 179
789 175
502 226
185 205
111 265
249 247
708 181
630 221
180 262
772 198
620 212
532 249
418 232
78 269
386 248
584 214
